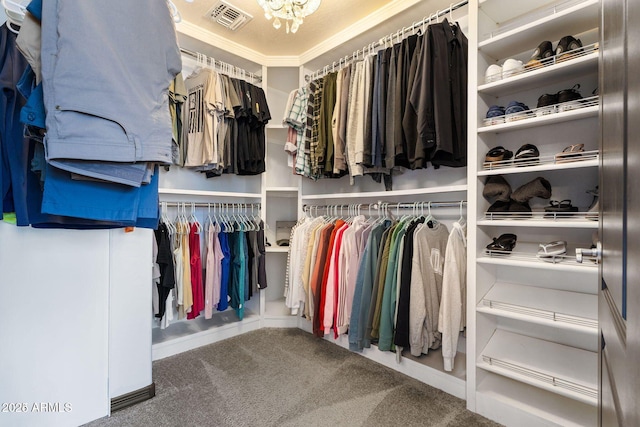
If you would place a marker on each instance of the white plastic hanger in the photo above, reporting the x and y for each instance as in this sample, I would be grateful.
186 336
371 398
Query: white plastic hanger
461 220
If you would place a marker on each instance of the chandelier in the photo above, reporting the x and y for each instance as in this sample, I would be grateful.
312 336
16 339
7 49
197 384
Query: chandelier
292 11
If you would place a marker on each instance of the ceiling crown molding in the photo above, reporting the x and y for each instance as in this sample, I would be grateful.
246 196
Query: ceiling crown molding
198 33
356 29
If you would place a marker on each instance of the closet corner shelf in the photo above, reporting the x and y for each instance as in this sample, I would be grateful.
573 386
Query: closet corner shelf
282 191
276 126
539 219
546 75
277 249
386 194
564 370
205 193
587 159
576 114
277 308
576 18
573 311
525 256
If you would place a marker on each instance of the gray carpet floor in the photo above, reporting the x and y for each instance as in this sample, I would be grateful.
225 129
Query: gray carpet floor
287 377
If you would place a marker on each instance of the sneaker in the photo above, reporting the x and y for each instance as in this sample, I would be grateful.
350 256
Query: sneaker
493 73
511 67
567 47
569 99
495 115
516 111
542 52
546 104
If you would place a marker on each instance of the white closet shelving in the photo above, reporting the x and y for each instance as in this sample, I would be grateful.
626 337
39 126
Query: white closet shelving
280 195
533 355
185 185
553 367
443 184
563 309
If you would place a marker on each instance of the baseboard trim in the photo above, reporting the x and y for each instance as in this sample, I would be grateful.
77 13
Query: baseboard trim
132 398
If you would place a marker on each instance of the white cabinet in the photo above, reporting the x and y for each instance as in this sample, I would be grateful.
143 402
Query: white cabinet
535 351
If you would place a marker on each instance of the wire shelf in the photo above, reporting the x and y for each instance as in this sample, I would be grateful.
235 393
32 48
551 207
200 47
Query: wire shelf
530 17
539 313
541 376
544 63
564 259
541 215
578 104
546 160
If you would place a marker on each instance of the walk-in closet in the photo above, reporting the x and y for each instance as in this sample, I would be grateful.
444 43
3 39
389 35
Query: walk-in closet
445 189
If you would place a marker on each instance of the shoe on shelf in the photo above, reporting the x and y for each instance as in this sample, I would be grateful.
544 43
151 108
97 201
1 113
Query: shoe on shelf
552 251
546 104
562 206
495 115
542 52
569 99
571 153
505 243
539 187
498 187
511 67
493 73
516 111
500 206
498 154
567 47
527 154
519 209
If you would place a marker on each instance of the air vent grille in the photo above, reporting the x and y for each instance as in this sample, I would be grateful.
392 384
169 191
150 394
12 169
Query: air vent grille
228 16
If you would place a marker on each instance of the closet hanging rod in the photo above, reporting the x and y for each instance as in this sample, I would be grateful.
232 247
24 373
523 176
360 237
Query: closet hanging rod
390 205
370 47
222 65
216 205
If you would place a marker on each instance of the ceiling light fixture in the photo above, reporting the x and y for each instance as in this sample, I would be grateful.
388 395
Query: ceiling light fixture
292 11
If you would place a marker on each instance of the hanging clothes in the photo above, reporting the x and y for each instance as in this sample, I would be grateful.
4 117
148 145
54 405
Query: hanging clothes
196 272
399 108
379 282
166 271
451 318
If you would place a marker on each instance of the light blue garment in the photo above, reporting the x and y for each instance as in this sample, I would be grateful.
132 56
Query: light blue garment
364 286
106 85
354 321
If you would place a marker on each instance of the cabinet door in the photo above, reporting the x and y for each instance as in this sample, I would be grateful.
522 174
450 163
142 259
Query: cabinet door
618 302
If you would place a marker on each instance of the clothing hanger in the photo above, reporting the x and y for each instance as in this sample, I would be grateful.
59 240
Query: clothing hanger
193 219
461 220
175 13
166 221
430 220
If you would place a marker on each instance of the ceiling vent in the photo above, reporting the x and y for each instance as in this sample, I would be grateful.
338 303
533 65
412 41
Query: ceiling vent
228 16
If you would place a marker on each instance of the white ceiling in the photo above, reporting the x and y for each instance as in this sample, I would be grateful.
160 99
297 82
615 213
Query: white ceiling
335 30
331 17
